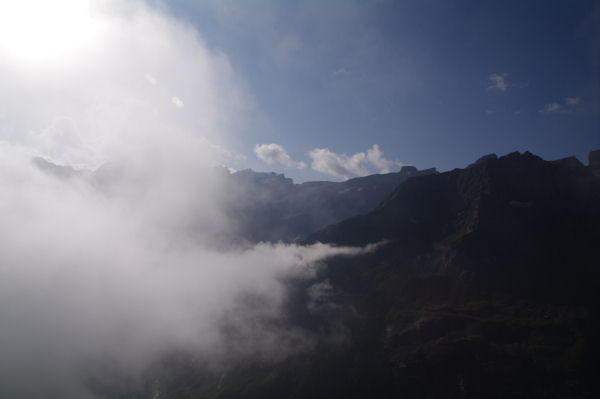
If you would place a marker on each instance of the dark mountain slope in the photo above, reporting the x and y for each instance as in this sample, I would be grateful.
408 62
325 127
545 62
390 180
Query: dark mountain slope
514 224
489 284
487 287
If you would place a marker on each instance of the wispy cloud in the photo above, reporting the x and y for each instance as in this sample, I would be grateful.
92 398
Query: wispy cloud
342 165
555 107
275 153
498 82
142 228
177 101
376 158
339 72
150 79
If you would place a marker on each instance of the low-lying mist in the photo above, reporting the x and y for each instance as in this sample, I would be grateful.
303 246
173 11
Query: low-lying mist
129 273
128 259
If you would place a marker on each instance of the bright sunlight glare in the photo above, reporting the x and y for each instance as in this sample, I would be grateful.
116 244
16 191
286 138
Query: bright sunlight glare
42 29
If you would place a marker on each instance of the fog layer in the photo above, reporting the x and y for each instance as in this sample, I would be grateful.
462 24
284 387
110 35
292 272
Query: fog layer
121 263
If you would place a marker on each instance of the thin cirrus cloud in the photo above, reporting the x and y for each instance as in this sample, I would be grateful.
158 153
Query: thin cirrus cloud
339 72
275 153
558 108
151 79
345 166
498 82
177 102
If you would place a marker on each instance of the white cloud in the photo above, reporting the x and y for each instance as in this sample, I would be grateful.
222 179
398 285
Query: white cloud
224 153
498 82
325 161
342 165
570 103
127 276
376 158
129 271
150 79
339 72
552 108
177 101
115 104
271 153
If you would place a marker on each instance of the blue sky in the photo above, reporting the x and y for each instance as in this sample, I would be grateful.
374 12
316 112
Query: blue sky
314 89
433 83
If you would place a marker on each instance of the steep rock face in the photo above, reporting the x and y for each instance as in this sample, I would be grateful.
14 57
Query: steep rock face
488 284
513 224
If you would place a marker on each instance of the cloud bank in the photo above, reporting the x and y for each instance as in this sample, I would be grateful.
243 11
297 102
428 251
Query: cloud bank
557 108
124 257
122 277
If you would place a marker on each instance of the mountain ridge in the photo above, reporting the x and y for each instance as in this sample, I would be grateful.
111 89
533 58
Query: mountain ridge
485 285
270 207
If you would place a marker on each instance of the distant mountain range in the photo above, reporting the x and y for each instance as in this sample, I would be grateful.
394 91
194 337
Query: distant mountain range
486 285
270 207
